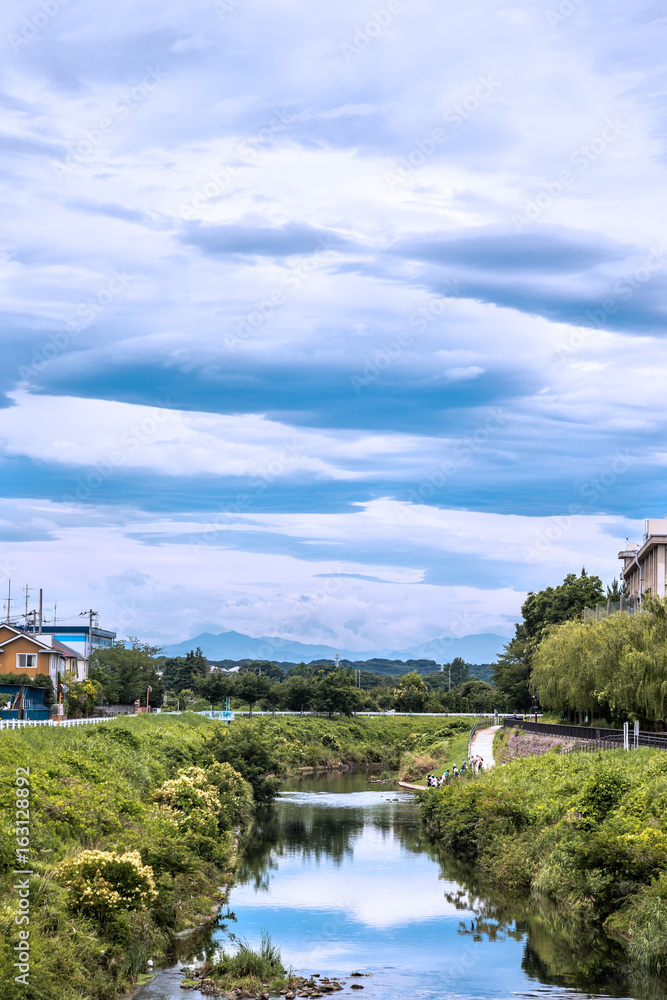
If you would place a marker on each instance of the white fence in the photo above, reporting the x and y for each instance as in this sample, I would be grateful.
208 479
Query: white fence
23 723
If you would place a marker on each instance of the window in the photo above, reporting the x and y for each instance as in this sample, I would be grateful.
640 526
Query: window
26 661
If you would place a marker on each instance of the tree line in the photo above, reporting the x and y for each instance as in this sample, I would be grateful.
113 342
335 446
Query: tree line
124 673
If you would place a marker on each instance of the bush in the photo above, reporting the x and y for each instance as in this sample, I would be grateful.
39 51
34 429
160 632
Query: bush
100 883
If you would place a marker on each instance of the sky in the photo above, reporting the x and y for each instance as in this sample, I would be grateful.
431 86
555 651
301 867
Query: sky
340 321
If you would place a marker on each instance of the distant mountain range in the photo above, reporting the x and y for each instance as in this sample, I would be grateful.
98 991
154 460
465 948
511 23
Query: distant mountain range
483 648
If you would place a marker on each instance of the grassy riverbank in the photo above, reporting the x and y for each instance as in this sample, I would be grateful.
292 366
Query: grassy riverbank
132 829
587 831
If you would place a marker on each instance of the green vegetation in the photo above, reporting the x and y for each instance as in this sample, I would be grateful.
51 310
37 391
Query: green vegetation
132 830
125 673
434 752
121 856
247 969
613 669
587 831
540 610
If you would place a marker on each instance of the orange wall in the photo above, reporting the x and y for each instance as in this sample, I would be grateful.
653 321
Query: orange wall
20 645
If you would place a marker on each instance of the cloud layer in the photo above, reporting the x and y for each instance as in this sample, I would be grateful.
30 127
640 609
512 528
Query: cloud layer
379 300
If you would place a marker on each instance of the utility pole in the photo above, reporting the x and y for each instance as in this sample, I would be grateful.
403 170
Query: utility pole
40 610
9 600
55 613
91 614
27 592
450 677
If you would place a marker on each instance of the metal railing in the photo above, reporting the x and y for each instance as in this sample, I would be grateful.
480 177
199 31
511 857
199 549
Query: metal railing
592 739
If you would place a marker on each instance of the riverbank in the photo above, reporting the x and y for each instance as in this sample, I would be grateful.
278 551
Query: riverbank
156 803
587 831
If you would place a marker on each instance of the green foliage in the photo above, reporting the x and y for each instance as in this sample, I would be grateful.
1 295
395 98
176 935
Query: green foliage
126 673
82 697
589 831
614 668
335 692
236 968
540 610
410 694
39 680
100 882
189 671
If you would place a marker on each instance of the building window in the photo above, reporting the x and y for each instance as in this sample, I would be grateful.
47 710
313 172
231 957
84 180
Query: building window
26 661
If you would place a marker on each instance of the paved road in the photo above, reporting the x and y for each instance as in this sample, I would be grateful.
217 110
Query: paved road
482 744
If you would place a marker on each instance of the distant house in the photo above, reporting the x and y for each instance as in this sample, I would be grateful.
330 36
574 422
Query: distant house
645 566
23 652
212 669
22 702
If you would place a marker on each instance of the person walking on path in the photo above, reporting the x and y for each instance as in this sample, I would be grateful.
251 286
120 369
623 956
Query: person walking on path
482 746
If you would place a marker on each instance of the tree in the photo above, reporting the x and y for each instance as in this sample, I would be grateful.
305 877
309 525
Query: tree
551 606
252 687
266 668
335 692
411 693
616 591
614 668
189 671
217 687
298 693
125 673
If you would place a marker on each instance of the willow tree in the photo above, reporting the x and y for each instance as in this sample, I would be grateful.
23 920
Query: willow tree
615 668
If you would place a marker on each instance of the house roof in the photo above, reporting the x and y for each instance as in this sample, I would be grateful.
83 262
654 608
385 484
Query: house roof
52 646
60 647
20 634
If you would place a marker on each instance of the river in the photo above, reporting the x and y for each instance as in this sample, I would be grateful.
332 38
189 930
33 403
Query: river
341 876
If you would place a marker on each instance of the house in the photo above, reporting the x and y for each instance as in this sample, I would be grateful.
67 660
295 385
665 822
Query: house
23 652
22 701
645 565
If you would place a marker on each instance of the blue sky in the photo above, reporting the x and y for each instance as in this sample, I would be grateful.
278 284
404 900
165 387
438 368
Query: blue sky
342 322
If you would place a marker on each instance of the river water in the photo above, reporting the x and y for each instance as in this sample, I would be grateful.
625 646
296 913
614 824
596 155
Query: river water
341 876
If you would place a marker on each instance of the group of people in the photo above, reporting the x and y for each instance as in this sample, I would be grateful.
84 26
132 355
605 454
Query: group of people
474 765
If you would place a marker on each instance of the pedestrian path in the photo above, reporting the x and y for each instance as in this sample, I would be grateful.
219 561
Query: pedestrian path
482 744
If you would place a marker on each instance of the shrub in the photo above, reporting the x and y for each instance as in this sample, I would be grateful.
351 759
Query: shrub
100 882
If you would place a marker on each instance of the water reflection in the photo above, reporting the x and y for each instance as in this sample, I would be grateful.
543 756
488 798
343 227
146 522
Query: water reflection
342 876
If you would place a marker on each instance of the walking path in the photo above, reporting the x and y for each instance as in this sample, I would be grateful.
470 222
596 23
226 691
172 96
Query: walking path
482 744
